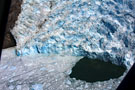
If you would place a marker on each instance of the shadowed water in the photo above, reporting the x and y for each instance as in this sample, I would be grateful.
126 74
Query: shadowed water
96 70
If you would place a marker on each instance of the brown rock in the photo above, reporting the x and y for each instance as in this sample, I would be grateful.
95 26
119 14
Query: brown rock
13 16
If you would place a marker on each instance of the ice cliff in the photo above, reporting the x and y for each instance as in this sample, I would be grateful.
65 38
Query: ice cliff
102 29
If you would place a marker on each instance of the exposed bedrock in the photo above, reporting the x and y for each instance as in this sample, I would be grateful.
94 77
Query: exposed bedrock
102 29
15 9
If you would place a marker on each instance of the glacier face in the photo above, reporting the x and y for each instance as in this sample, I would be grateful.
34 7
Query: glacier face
102 29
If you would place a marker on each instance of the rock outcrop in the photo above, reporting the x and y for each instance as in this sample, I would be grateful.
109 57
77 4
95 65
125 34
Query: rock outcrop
15 10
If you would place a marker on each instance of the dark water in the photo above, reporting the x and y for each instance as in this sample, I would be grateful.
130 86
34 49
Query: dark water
96 70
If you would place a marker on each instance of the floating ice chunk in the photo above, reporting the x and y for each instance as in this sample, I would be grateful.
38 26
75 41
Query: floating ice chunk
12 68
43 68
98 3
11 87
51 70
69 72
68 82
11 80
4 67
18 87
86 86
37 87
129 58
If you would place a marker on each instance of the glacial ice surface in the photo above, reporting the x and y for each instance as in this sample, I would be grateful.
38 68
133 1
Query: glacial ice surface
102 29
45 72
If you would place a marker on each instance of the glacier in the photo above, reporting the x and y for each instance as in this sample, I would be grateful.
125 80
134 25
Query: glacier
103 29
